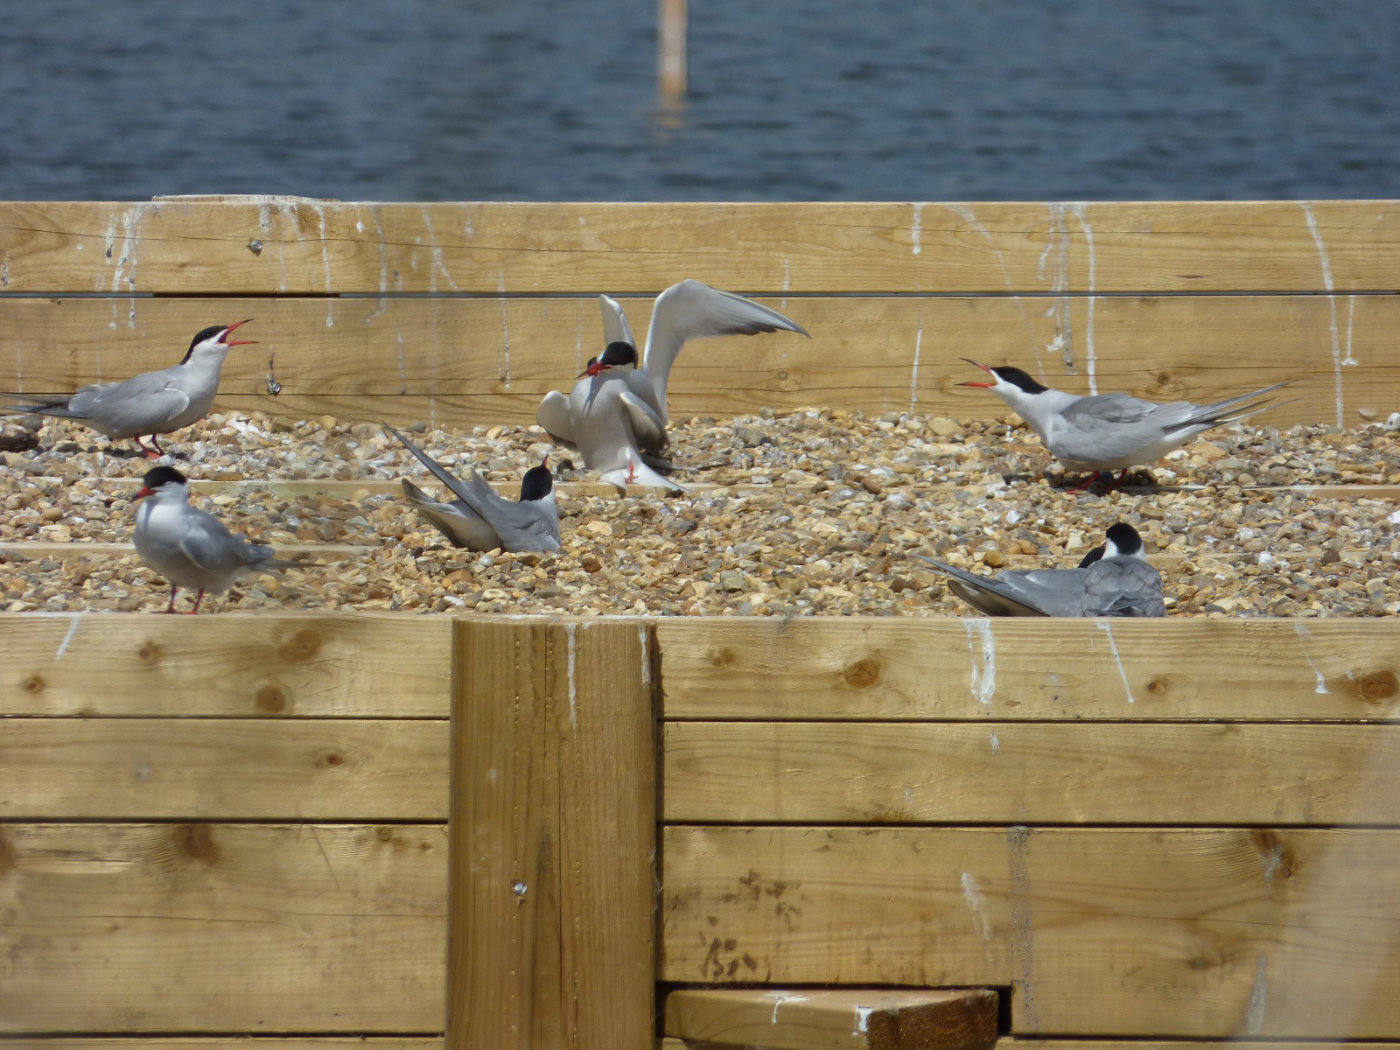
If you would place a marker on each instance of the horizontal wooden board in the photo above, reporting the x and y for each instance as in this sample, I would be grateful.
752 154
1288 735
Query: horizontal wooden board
491 360
299 246
222 928
238 664
1014 1043
223 769
1204 932
887 668
1031 773
392 1042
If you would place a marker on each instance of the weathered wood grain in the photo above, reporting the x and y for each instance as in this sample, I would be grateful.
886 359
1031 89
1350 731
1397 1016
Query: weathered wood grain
836 1019
239 664
884 668
1030 773
474 361
298 246
223 769
222 928
391 1042
553 837
1207 933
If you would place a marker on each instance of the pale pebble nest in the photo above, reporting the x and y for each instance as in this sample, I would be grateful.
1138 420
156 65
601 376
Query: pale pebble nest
833 505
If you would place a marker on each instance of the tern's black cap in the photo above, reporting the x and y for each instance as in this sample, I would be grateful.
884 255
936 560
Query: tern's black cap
1017 377
537 483
1125 538
158 476
619 353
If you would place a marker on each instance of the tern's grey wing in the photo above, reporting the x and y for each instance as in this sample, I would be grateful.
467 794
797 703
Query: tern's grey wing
648 429
215 550
1123 587
615 326
692 310
461 525
530 525
140 405
458 487
556 417
1119 409
1001 595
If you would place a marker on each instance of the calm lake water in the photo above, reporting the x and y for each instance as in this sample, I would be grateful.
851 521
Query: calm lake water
825 99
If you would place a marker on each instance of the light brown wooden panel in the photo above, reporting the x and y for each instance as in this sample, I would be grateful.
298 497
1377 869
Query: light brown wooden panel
1014 1043
294 246
491 360
874 668
244 664
222 928
1210 932
553 837
1019 773
223 769
836 1019
395 1042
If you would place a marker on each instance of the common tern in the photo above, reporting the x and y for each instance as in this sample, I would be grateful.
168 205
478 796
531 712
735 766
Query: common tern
1105 432
481 520
153 402
684 311
1114 579
189 547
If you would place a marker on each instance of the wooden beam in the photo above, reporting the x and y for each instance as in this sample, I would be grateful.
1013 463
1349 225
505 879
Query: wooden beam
1211 933
1030 773
889 668
223 769
173 928
294 246
274 665
241 1042
836 1019
475 361
553 837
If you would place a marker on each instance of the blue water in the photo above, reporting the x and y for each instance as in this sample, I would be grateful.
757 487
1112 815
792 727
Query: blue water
824 99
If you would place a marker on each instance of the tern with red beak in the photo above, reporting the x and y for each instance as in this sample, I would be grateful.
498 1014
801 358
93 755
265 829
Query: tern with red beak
153 402
189 547
1106 432
619 424
479 519
1114 579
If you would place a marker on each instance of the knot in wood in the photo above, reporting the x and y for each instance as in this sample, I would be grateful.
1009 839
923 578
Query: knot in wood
301 646
271 699
1375 686
863 673
149 652
33 684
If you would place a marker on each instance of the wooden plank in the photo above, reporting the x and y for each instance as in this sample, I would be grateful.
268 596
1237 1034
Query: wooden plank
553 837
283 665
297 246
1013 1043
1206 933
392 1042
223 769
491 360
176 928
1030 773
887 668
836 1019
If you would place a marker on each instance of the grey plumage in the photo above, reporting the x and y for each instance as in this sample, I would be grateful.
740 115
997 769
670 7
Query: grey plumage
481 520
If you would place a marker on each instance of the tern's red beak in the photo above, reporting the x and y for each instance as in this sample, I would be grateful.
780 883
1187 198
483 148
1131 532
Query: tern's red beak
236 342
594 369
985 368
145 491
545 462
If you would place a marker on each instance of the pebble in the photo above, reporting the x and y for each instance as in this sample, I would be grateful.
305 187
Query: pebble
850 497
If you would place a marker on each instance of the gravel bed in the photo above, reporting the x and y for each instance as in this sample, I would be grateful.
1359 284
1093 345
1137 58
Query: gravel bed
832 504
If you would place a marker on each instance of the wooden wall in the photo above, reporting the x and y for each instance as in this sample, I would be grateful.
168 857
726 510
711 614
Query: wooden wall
237 825
468 313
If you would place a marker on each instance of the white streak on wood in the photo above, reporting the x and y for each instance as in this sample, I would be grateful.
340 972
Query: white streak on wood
320 210
1055 261
1351 324
68 637
965 212
1080 210
383 303
1021 917
505 326
1326 265
787 282
569 631
978 904
1258 997
645 641
916 228
435 253
403 365
1107 629
914 375
1303 636
785 998
863 1019
995 742
984 667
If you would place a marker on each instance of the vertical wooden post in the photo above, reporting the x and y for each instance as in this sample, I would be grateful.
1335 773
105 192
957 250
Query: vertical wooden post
670 51
553 832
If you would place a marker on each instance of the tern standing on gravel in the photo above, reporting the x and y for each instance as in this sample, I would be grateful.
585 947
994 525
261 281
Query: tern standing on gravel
1114 579
153 402
1106 432
189 547
625 436
481 520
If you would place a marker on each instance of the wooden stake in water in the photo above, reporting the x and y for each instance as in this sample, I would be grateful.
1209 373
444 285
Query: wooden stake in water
670 51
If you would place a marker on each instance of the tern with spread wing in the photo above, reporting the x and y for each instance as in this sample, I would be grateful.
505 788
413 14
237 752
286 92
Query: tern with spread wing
1114 579
153 402
619 423
189 547
481 520
1105 432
